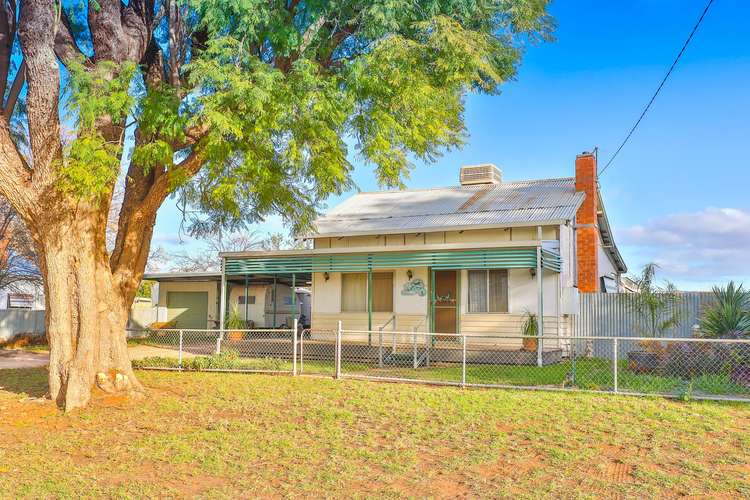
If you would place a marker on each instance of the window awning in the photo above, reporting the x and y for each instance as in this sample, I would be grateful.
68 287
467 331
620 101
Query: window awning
490 258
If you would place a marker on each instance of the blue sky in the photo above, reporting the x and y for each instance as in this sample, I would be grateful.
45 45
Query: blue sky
677 193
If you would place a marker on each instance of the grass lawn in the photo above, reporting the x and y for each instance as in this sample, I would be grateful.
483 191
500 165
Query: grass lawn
228 435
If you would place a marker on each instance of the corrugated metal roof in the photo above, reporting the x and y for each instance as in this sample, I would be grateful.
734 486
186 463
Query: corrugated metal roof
506 204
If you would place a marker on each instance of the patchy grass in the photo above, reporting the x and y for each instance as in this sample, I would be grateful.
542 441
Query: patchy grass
227 435
590 374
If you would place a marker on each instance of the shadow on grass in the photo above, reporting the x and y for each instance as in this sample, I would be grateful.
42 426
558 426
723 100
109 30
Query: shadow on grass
29 381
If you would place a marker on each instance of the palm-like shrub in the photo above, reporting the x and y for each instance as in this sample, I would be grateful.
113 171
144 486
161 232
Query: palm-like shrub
729 315
656 306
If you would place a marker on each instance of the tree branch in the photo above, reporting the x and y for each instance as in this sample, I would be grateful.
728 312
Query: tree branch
65 44
15 91
309 34
15 176
7 35
36 31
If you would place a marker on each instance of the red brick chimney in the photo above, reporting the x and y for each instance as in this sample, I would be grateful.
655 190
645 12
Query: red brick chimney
587 229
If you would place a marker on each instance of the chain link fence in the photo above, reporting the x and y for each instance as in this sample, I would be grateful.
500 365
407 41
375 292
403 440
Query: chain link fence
677 367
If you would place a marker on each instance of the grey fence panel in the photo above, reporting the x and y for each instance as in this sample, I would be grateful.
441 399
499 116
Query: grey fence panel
612 315
20 321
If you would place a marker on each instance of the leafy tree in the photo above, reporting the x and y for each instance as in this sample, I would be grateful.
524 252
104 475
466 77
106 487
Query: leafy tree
729 314
241 108
145 289
656 306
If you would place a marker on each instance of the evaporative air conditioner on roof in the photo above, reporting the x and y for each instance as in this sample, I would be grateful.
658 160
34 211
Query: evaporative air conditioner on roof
486 173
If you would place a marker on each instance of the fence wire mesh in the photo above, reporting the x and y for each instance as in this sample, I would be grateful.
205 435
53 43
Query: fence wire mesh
258 350
688 367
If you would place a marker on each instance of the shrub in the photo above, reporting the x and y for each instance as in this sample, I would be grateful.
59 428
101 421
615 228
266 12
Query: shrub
689 360
21 340
729 315
228 359
657 307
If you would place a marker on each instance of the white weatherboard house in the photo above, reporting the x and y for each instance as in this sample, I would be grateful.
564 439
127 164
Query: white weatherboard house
467 259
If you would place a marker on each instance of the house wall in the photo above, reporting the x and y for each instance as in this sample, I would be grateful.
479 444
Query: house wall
412 310
36 291
211 287
255 312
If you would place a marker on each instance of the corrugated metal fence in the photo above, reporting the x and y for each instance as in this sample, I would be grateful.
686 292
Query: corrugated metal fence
612 315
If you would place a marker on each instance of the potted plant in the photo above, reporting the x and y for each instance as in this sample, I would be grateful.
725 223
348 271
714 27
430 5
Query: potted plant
530 330
235 324
657 310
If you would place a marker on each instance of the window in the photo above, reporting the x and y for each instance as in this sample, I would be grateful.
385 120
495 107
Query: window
382 292
354 292
20 301
250 300
488 291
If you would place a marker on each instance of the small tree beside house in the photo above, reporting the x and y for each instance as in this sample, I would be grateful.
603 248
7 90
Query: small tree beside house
657 310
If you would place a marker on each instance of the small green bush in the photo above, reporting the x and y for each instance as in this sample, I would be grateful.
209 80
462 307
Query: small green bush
228 359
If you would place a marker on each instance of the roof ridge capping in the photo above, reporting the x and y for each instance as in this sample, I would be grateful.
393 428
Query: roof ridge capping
464 187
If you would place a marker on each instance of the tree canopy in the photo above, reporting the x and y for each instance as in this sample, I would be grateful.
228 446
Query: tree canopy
268 100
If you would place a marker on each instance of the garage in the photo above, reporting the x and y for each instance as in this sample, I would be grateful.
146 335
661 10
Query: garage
188 309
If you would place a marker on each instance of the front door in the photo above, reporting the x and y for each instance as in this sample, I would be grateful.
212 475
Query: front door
446 302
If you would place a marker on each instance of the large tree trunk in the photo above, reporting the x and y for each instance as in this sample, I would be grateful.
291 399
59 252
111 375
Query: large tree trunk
86 314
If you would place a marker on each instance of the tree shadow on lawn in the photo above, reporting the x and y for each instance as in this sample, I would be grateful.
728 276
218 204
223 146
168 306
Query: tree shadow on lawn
29 381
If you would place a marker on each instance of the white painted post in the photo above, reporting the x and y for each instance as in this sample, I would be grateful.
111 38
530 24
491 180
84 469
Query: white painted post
302 350
463 362
294 347
540 296
179 354
223 296
337 354
614 364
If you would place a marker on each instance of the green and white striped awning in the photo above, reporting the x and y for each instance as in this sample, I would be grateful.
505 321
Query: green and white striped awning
495 258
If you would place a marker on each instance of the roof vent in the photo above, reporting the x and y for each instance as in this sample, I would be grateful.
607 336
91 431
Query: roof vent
486 173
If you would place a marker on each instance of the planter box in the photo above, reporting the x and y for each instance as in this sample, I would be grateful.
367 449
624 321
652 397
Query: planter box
643 362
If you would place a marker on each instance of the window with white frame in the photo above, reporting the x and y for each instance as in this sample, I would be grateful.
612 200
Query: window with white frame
488 291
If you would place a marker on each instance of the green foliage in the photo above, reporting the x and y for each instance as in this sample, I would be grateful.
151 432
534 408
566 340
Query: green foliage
530 325
99 97
729 315
228 359
657 306
279 118
145 288
280 92
234 319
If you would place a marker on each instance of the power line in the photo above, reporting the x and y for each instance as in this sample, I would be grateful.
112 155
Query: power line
664 80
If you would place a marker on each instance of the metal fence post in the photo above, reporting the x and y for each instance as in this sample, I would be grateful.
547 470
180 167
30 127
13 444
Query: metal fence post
302 350
575 356
337 353
463 362
294 347
414 341
380 347
614 363
179 354
218 341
